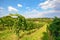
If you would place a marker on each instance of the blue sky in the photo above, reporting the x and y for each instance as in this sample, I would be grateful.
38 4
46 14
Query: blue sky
30 8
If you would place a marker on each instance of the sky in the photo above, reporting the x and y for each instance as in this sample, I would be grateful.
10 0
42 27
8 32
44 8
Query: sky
30 8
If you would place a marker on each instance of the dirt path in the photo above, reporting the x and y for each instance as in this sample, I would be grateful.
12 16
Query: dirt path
39 33
36 35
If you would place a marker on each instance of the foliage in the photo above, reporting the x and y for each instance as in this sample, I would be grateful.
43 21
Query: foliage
45 37
15 23
54 28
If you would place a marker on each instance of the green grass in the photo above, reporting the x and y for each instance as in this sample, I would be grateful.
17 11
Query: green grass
36 35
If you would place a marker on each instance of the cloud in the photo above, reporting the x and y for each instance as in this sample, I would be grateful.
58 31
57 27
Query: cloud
34 14
53 6
57 5
47 4
52 13
19 5
39 14
10 8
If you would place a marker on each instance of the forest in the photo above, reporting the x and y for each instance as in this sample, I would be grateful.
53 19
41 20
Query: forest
17 27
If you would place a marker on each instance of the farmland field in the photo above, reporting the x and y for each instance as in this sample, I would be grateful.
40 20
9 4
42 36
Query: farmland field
21 28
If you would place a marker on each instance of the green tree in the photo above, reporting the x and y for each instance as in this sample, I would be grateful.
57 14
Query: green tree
19 24
54 28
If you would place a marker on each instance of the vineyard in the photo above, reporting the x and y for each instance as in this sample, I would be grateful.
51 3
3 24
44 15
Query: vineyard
17 27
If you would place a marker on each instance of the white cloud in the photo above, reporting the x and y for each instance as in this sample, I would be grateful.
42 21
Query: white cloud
38 14
10 8
34 14
19 5
50 4
47 4
53 5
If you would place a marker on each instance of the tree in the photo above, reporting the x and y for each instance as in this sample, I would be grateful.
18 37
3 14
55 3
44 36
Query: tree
19 24
1 23
54 28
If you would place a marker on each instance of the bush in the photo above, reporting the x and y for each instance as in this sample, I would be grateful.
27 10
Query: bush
54 28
